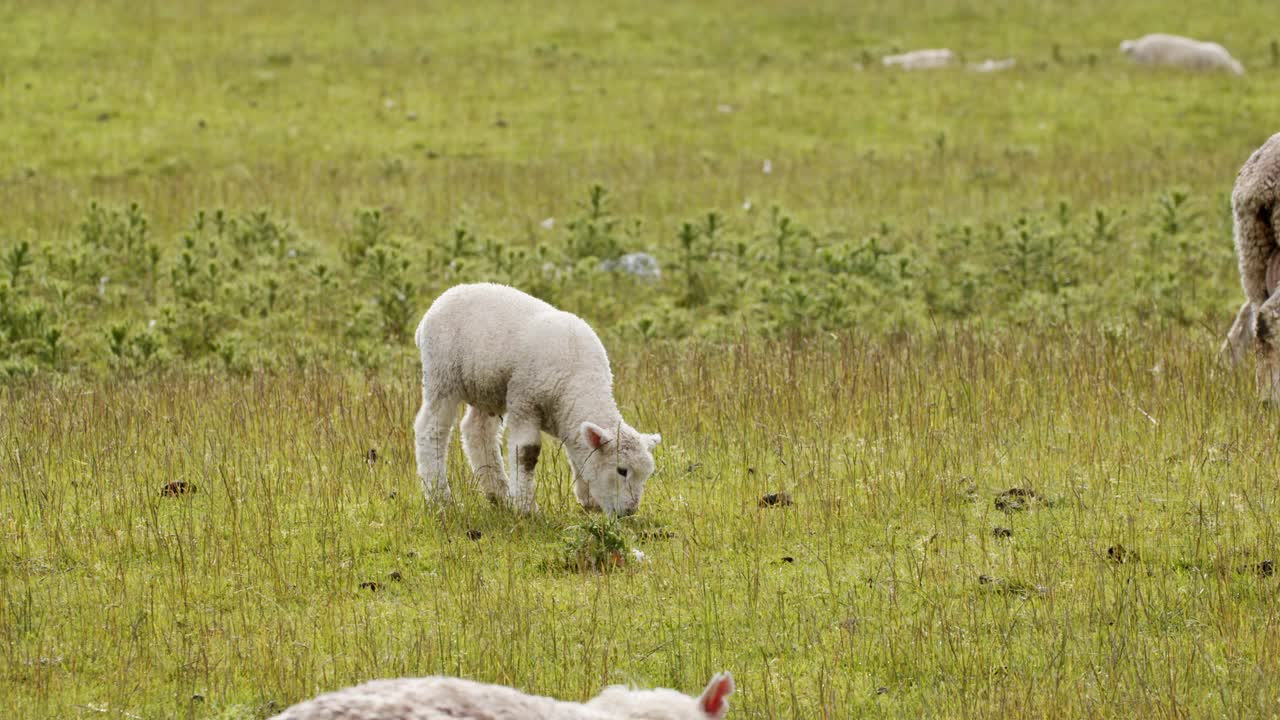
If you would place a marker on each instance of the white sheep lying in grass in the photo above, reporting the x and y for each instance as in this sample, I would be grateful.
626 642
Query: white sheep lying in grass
1178 51
503 352
1255 203
920 59
438 698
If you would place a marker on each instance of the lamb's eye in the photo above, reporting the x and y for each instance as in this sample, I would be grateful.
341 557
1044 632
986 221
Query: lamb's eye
622 472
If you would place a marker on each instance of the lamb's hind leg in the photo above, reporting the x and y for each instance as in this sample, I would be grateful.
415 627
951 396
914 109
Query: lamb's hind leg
481 441
1239 338
431 430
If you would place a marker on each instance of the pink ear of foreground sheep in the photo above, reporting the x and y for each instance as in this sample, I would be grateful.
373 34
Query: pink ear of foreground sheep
442 698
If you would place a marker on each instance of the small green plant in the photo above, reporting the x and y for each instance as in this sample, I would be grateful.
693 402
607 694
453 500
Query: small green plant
371 230
784 231
598 545
131 349
1175 217
17 260
595 232
387 273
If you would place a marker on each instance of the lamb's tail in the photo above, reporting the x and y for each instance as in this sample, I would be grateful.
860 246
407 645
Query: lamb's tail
1255 203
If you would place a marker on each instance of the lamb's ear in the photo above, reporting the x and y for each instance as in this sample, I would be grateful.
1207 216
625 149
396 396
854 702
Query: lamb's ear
595 436
651 440
713 701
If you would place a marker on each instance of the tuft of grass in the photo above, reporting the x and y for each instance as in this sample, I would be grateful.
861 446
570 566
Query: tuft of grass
596 544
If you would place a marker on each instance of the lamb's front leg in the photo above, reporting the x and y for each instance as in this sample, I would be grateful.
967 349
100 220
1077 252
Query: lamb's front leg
1239 337
1266 323
431 430
524 445
1268 373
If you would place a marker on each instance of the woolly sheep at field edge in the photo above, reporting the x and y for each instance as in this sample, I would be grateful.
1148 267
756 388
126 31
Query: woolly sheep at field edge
1255 205
1178 51
503 352
439 698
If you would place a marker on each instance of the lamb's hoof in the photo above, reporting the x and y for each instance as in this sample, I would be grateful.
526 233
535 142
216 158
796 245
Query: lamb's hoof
524 507
438 497
494 487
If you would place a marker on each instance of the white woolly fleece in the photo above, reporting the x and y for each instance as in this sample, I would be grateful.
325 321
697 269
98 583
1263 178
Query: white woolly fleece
442 698
1178 51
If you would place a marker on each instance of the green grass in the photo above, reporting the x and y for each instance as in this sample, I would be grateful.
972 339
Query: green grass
970 284
247 592
306 107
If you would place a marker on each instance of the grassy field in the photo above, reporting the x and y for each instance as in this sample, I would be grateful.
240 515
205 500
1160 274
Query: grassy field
508 110
965 321
1132 583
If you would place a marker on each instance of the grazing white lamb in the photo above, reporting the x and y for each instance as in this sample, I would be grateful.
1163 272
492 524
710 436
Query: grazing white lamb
920 59
441 698
1178 51
1255 203
503 352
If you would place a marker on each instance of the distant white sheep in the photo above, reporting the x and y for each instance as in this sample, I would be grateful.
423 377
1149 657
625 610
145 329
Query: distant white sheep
503 352
439 698
921 59
1178 51
642 266
991 65
1255 204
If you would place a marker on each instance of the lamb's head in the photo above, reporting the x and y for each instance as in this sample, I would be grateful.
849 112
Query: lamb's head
662 704
1128 47
611 466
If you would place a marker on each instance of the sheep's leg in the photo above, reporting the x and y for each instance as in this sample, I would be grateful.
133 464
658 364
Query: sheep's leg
524 444
1268 371
1239 337
1266 324
481 441
431 430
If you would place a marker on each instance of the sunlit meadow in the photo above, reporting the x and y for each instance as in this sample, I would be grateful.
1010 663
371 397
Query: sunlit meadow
932 355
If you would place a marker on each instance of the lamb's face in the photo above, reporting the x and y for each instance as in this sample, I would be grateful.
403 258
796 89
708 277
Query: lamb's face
613 467
662 704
